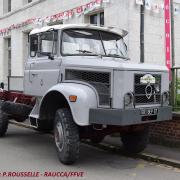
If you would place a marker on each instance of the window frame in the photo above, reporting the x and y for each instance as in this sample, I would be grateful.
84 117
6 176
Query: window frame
61 42
99 31
38 48
122 54
39 44
9 6
98 14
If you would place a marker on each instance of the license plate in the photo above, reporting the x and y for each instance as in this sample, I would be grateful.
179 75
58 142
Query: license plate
149 112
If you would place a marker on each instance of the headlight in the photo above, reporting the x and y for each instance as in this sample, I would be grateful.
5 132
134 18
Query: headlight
128 100
165 99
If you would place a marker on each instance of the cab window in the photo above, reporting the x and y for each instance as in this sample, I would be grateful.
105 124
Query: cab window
81 42
48 43
114 44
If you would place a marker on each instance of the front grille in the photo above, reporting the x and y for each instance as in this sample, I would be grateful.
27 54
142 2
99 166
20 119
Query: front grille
99 80
140 92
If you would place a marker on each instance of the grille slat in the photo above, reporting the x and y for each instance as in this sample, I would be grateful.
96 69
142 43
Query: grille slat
99 80
140 93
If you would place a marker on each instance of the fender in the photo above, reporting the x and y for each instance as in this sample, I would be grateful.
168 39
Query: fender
86 99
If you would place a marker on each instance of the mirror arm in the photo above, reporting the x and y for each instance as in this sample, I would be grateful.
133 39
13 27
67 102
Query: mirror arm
51 57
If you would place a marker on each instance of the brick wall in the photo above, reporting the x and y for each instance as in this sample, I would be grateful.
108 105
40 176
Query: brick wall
167 133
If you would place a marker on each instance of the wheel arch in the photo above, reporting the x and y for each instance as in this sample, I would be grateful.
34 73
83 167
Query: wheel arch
58 97
51 102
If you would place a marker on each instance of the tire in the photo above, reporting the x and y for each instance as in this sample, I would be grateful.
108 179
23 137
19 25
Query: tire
135 142
66 136
3 123
19 111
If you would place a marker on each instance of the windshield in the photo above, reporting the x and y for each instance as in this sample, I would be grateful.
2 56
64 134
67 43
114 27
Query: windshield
92 42
114 45
78 42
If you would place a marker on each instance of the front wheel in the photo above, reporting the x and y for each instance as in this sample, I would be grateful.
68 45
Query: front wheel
135 142
66 135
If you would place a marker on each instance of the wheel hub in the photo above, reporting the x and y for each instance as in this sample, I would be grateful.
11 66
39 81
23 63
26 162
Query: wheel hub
59 136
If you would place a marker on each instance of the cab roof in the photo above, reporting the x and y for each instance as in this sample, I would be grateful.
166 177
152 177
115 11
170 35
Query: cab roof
84 26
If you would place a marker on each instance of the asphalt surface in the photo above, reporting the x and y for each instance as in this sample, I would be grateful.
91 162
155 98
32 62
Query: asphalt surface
25 150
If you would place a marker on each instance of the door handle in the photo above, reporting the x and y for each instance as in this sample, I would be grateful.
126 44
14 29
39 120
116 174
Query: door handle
30 66
34 74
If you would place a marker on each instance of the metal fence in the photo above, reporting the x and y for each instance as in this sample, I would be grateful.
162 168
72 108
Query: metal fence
175 89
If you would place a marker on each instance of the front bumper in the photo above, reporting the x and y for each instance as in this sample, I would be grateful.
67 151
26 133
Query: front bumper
126 117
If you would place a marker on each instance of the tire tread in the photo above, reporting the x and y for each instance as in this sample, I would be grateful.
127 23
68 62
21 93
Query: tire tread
3 123
71 152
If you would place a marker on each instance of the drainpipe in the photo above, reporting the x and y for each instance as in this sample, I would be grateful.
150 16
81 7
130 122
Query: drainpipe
142 10
174 71
172 33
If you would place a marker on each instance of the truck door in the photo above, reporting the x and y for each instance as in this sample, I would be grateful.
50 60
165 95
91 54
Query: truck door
42 71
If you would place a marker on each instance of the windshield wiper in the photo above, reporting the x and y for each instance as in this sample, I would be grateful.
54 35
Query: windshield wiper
118 56
89 52
84 51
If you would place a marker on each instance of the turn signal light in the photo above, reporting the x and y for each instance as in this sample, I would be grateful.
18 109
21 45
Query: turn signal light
73 98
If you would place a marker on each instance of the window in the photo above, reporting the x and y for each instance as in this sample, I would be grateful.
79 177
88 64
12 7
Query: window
44 44
81 42
114 44
97 19
48 43
6 6
9 5
27 2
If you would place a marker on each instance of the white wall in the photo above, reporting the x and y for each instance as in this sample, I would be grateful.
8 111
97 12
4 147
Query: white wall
1 7
16 4
1 60
17 53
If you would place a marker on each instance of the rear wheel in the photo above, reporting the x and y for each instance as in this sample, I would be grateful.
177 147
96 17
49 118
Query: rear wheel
3 123
135 142
66 135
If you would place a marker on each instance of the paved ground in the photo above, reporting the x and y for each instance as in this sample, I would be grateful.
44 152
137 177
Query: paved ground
26 150
173 154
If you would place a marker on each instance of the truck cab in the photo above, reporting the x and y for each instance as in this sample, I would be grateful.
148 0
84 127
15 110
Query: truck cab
85 86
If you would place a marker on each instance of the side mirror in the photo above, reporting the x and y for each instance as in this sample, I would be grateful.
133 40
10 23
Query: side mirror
33 45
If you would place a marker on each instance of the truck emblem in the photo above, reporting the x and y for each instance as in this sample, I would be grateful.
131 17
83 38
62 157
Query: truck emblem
148 79
149 91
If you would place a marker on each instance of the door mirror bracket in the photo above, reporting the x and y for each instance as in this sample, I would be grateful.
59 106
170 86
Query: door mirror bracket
48 54
51 57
